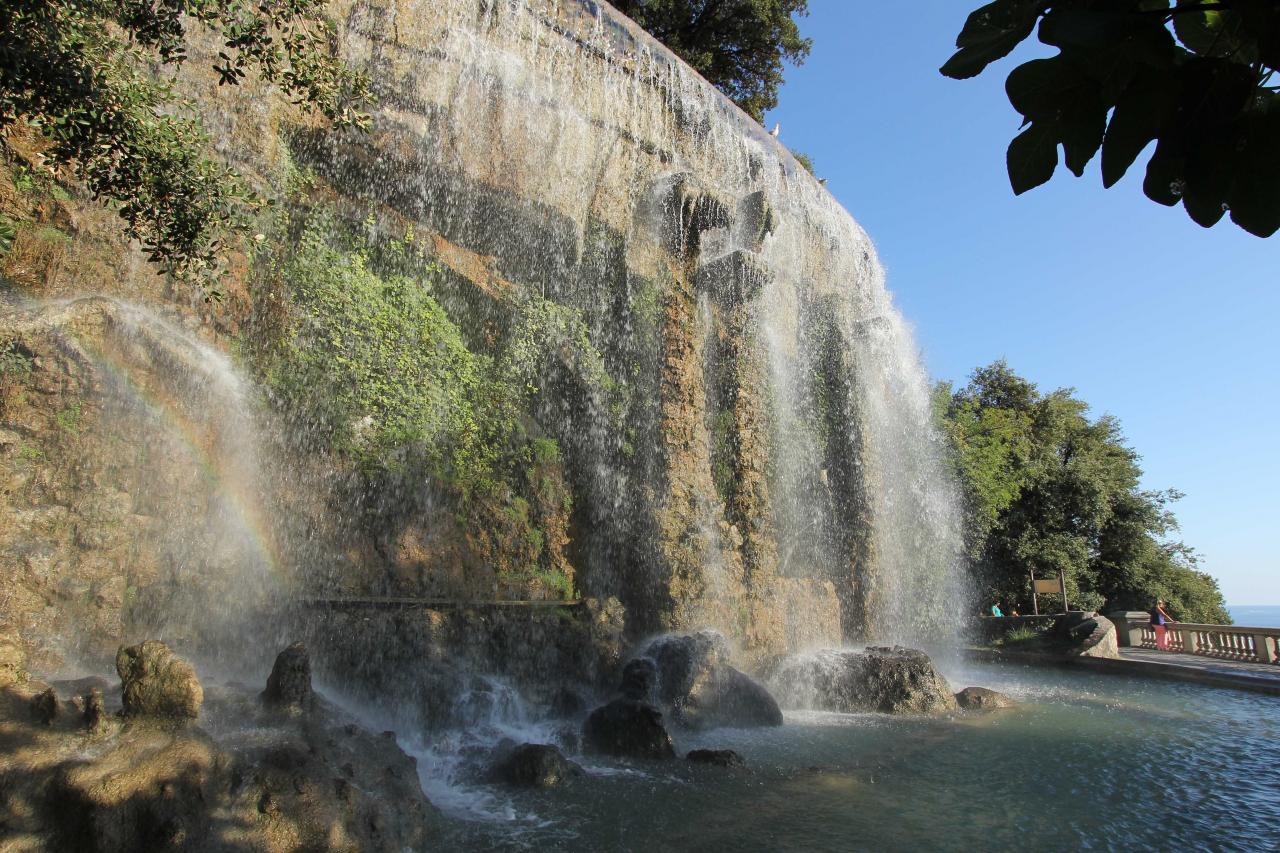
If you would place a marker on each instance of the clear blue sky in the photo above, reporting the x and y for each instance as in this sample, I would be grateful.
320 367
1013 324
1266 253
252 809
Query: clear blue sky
1170 327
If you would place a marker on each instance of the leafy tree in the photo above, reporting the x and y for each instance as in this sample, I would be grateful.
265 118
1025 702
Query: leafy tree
1051 490
1194 76
81 72
738 45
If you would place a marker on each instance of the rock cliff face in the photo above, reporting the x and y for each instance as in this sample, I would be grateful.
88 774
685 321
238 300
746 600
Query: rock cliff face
725 426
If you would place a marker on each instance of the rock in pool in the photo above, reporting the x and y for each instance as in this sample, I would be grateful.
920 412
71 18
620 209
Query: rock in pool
534 765
879 679
716 757
627 728
982 699
695 680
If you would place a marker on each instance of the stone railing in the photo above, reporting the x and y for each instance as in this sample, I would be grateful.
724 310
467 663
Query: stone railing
1228 642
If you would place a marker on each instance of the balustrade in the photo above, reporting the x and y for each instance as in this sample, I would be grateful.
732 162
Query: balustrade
1228 642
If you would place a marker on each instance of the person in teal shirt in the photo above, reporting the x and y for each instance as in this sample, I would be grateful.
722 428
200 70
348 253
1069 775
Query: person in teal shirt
995 609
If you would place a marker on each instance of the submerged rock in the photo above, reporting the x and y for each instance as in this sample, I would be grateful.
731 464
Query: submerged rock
157 683
982 699
716 757
695 680
535 765
627 728
289 685
885 680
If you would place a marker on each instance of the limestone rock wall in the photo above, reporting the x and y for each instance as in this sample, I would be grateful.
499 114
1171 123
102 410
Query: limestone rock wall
761 459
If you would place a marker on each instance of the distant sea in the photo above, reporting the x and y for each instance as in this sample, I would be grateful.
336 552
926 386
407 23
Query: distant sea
1255 615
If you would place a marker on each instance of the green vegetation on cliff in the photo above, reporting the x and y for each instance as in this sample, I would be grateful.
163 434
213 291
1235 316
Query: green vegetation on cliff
1049 489
362 354
83 75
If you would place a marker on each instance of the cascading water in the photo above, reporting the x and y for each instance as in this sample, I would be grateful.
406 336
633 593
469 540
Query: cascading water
166 446
776 459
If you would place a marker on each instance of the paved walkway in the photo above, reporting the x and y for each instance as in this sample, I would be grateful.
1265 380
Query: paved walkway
1261 677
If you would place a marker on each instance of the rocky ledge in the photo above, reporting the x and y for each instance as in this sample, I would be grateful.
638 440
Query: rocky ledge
123 768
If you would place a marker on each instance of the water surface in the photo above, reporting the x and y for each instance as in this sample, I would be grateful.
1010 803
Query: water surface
1088 762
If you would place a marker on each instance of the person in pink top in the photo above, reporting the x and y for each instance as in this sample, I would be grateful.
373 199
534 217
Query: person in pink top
1159 620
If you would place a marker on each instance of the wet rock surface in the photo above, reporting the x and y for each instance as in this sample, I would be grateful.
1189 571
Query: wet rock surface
246 779
45 707
534 765
716 757
982 699
289 685
691 675
157 683
627 728
878 679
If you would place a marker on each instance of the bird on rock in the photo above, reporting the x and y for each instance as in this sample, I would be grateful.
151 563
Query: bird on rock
776 128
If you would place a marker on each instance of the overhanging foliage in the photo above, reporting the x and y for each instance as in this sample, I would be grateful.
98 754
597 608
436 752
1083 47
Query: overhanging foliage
1194 76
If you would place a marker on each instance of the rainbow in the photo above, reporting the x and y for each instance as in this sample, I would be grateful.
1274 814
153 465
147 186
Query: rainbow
243 501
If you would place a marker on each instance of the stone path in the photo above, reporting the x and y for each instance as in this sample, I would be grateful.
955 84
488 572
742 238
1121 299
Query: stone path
1261 677
1202 664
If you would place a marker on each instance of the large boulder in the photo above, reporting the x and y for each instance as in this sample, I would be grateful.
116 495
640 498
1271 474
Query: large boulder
1088 634
534 765
157 683
878 679
982 699
691 676
627 728
289 685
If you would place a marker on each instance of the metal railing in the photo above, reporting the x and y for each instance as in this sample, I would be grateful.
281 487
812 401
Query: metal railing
1226 642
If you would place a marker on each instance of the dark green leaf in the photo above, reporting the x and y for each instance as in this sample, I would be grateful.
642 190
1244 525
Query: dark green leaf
1255 197
1032 157
1166 175
990 33
1141 114
1035 88
1209 176
1218 34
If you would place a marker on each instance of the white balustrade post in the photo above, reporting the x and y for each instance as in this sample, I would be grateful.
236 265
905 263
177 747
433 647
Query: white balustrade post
1265 648
1188 641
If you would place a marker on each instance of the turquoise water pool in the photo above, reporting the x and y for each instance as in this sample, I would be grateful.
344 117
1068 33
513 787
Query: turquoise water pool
1087 762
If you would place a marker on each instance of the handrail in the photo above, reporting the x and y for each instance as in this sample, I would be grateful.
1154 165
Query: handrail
1239 629
392 602
1226 642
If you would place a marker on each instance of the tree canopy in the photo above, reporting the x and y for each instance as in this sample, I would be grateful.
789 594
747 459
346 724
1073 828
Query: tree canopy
1194 76
1050 489
82 74
738 45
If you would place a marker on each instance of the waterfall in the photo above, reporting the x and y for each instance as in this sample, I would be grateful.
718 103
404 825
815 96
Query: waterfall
795 484
161 463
